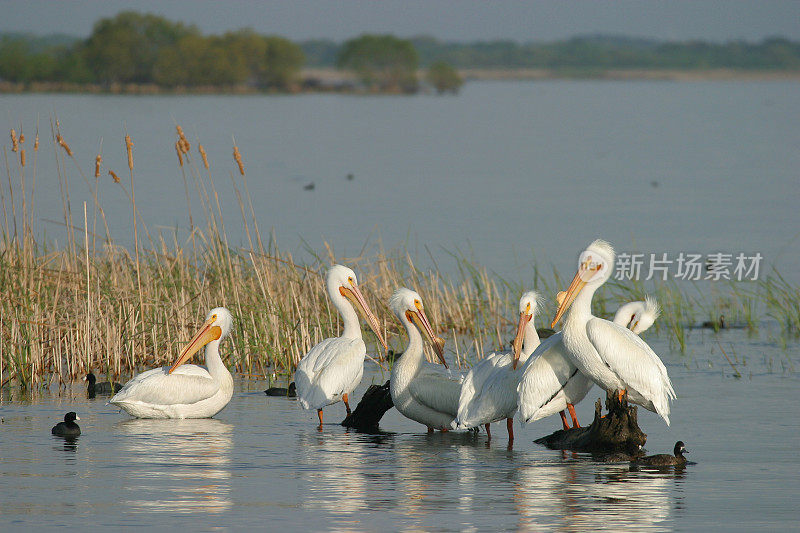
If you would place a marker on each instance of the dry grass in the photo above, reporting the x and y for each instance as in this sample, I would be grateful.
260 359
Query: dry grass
91 304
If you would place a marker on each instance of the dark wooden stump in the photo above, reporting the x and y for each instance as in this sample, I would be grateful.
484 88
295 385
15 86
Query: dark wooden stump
617 432
369 411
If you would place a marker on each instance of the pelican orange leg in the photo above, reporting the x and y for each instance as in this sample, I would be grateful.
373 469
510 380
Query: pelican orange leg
573 415
346 403
564 420
510 428
488 431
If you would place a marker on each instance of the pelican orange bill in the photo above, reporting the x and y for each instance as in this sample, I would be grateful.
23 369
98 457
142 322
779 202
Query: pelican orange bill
353 293
524 318
208 332
418 317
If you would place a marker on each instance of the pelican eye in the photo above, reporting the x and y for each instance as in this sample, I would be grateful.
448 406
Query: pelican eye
528 308
351 280
214 317
418 304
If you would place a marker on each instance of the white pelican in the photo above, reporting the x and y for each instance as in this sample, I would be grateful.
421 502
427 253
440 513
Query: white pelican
489 391
420 390
551 383
333 368
184 391
638 316
607 353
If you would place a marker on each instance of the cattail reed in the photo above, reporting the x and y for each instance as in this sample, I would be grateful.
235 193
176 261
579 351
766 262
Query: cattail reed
178 150
14 145
63 144
238 157
183 144
203 155
129 148
280 305
97 161
36 143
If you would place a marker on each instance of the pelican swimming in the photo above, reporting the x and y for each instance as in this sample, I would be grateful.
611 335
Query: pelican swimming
551 383
184 391
333 368
638 316
607 353
489 391
422 391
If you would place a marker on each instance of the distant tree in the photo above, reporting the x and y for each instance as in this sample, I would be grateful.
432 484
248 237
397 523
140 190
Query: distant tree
281 62
444 78
382 62
269 61
125 48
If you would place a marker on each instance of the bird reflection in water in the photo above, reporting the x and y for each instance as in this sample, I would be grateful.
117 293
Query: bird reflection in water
178 466
341 470
581 495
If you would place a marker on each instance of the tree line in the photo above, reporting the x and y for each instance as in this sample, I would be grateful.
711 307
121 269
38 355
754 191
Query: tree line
135 48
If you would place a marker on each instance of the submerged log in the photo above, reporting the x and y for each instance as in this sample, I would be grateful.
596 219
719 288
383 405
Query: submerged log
369 411
617 432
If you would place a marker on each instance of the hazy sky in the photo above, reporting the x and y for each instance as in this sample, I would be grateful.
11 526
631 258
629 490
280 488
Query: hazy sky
716 20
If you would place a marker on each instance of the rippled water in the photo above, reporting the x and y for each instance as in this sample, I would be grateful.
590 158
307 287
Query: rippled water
262 463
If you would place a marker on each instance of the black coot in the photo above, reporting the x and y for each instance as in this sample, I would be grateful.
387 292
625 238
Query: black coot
100 388
664 459
67 428
291 392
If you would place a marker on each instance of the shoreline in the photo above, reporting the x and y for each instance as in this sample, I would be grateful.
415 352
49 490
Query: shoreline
331 80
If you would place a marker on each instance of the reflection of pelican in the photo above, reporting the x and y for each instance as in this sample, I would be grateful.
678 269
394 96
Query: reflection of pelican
581 495
610 355
420 390
489 391
184 391
333 368
551 383
178 466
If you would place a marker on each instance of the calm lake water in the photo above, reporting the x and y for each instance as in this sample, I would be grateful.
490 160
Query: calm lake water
510 172
261 463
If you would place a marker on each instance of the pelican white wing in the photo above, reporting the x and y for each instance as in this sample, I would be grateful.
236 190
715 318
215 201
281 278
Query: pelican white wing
187 384
635 363
437 388
489 392
331 369
549 381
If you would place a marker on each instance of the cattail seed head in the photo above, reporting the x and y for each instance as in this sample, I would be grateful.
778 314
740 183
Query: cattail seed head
22 157
238 157
36 143
97 161
21 138
203 154
63 144
178 151
129 148
13 140
114 175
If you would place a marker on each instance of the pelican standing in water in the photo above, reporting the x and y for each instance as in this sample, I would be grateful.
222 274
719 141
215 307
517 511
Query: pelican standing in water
610 355
422 391
333 368
551 383
184 391
489 391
